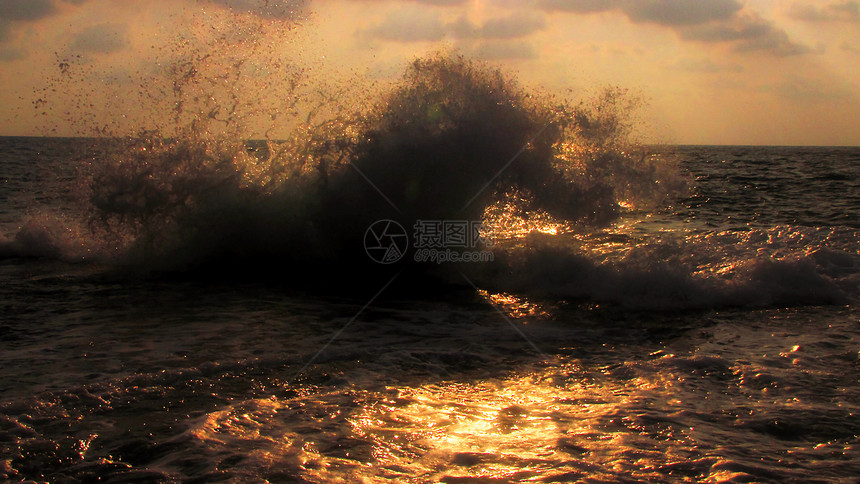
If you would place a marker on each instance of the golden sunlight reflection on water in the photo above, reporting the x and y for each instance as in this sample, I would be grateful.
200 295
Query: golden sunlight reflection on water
559 423
516 306
505 221
503 430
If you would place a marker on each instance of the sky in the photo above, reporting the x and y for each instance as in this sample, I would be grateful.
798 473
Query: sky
761 72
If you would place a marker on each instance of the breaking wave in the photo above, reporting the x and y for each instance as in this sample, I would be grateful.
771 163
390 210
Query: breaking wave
454 139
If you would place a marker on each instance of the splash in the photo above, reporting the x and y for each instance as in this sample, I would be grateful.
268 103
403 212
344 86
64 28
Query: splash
248 163
232 70
451 140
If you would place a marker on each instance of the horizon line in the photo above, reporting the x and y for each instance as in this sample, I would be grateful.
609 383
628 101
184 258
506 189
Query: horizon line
680 145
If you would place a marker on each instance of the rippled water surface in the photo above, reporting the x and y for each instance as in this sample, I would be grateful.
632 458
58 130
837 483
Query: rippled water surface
742 367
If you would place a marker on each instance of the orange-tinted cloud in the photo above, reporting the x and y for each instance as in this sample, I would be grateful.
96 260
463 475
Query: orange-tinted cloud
661 12
674 12
28 10
416 24
14 12
847 11
747 33
712 21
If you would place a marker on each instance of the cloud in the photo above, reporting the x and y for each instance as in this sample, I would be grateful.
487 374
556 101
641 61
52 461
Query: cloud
417 24
580 6
848 11
711 21
512 27
661 12
444 3
748 33
13 12
409 24
505 49
26 10
675 12
101 39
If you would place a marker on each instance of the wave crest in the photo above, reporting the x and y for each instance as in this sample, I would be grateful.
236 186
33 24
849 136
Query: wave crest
449 140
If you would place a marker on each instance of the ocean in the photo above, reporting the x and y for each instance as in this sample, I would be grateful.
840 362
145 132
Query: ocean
170 318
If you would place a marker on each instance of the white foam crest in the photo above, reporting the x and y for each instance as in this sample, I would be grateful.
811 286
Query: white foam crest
670 273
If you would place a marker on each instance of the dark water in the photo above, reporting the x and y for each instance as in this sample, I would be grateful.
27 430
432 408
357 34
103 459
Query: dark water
713 341
764 186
